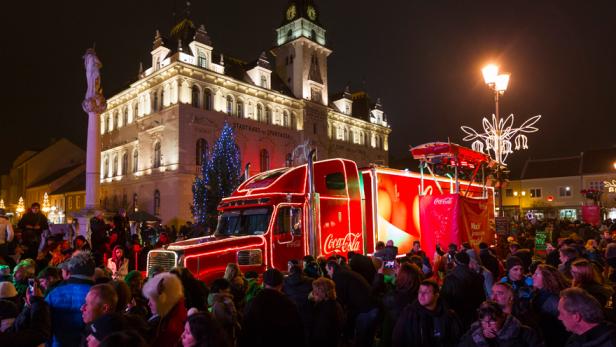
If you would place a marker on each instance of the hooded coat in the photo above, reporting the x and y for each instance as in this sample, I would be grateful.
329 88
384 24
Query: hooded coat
420 327
512 334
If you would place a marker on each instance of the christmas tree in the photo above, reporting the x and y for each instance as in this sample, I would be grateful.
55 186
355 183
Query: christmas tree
220 176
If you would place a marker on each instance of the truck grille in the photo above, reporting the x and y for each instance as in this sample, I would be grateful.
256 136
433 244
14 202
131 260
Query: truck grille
249 257
165 259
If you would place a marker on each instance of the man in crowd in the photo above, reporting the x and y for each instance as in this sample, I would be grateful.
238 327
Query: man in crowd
6 236
463 289
582 315
66 300
101 299
568 255
272 319
427 322
489 260
32 225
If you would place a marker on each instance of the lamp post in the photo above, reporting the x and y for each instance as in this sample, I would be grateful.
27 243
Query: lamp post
499 134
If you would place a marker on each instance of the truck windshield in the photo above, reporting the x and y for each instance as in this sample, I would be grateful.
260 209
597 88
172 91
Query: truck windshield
252 221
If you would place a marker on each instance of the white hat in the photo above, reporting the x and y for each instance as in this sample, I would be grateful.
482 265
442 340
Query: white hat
7 290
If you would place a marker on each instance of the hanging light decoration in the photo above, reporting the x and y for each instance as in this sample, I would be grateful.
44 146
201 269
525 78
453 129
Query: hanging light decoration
45 206
20 206
2 204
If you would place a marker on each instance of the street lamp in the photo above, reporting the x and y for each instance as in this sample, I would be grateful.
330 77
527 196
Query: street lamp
499 135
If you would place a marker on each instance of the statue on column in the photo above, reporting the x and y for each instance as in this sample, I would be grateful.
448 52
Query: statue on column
94 101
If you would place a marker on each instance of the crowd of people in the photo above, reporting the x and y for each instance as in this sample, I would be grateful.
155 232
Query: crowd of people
93 294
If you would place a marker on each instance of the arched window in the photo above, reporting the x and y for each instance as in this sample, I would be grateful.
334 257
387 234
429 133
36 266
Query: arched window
135 202
240 109
229 105
263 81
156 202
268 115
125 116
285 119
264 160
103 123
157 155
110 123
293 121
115 169
195 96
135 110
162 98
124 163
260 113
135 161
155 102
106 167
201 152
208 99
346 134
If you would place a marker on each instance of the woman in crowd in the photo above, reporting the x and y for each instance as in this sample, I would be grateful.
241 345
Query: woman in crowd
195 291
234 275
585 276
548 282
166 300
118 264
201 330
328 318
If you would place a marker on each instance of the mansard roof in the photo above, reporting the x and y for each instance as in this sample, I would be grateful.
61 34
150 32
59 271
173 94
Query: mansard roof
362 104
236 68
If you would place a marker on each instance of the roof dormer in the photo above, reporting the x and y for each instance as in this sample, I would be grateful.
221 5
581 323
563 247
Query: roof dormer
159 52
261 74
345 104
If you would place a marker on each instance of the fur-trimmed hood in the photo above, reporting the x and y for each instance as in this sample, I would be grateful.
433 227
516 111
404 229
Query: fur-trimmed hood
166 290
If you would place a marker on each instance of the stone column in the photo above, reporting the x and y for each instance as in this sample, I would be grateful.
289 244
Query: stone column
94 104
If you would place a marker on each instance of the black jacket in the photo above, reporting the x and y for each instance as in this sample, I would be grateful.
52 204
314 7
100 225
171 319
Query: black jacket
326 324
420 327
463 292
545 307
353 292
512 334
271 319
31 328
603 335
490 262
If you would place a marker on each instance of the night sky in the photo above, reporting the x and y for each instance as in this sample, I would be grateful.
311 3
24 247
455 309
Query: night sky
423 58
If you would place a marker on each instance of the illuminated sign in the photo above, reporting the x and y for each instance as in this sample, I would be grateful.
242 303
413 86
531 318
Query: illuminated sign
610 186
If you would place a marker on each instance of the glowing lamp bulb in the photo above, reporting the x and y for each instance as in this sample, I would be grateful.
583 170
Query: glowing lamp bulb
489 73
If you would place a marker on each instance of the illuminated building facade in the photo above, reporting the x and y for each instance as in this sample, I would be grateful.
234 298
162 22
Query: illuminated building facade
154 133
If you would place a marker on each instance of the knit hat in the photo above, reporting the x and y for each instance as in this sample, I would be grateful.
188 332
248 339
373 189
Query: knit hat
7 290
107 324
513 261
462 258
272 277
8 309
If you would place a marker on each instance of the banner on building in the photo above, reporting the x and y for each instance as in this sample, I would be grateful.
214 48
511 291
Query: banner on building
591 214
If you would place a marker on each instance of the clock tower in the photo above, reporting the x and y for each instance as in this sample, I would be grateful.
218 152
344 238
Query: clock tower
301 52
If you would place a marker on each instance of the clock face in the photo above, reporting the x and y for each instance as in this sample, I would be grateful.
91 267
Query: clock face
291 12
312 13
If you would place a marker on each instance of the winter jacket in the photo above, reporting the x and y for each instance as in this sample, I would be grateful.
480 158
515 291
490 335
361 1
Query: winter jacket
297 287
600 292
353 292
420 327
394 301
326 324
167 331
512 334
271 319
603 335
490 262
118 273
65 303
463 292
225 313
31 328
545 307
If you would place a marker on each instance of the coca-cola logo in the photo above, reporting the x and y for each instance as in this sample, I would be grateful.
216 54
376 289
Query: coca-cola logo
350 242
443 201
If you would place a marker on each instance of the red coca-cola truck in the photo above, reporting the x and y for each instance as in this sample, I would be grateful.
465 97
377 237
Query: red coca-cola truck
322 208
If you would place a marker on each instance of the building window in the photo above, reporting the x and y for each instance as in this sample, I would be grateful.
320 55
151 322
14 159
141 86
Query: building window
78 202
135 206
201 152
70 202
564 191
125 116
535 192
157 155
263 81
285 119
115 171
195 96
124 163
106 167
110 123
103 124
240 109
136 110
208 99
135 161
268 115
293 121
229 105
509 193
162 98
260 113
156 202
155 102
264 160
202 60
